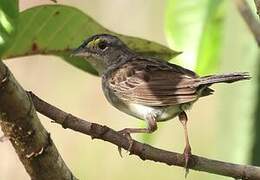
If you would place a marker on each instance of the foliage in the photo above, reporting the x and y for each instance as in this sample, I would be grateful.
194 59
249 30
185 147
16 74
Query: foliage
197 27
8 16
57 29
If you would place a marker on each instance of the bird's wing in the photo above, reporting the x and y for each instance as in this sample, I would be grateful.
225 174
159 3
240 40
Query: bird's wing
153 83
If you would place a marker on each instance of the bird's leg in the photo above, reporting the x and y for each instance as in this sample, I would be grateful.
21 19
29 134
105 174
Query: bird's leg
187 151
151 127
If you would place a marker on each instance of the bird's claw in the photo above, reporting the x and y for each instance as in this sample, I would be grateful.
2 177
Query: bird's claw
187 155
126 133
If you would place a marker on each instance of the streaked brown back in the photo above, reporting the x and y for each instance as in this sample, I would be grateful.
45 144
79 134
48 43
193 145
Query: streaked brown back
153 83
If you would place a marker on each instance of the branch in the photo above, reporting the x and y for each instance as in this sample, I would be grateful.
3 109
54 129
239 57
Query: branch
144 151
249 18
21 125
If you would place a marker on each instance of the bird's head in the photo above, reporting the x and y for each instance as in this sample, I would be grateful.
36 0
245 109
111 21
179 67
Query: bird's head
101 50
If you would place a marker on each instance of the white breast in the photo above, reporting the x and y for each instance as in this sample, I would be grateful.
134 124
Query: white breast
161 113
140 110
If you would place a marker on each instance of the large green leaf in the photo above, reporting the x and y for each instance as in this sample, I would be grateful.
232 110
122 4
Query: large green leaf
57 29
211 39
195 26
8 16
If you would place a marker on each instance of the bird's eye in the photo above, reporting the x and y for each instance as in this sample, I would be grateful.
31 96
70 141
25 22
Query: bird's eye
102 45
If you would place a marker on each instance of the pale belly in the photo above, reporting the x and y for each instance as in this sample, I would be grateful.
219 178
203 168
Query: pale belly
161 113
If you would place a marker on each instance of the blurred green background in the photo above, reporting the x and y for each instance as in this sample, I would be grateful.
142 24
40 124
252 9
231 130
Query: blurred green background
214 39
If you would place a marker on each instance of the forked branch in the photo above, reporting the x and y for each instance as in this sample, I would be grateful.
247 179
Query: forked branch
21 125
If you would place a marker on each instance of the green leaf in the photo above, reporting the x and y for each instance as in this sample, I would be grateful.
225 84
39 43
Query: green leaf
57 29
8 16
195 26
211 40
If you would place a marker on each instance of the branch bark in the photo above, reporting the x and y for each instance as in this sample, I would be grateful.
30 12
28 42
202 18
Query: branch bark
144 151
249 17
31 141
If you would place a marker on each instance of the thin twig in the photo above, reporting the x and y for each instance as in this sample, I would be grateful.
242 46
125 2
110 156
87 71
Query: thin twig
249 18
144 151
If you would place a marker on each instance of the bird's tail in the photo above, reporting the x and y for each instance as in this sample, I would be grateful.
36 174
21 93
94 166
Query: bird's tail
223 78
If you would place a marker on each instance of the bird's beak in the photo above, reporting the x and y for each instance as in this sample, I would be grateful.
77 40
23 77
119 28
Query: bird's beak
80 52
77 52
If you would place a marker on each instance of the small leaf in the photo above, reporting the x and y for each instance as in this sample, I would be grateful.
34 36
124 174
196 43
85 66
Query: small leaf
57 29
8 16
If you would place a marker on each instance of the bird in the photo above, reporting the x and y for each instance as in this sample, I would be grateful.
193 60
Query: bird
148 88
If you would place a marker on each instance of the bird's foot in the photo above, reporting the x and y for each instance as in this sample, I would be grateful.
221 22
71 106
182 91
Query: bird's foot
126 132
187 155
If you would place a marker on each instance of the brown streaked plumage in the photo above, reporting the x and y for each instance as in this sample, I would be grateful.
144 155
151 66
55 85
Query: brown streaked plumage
146 87
165 86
